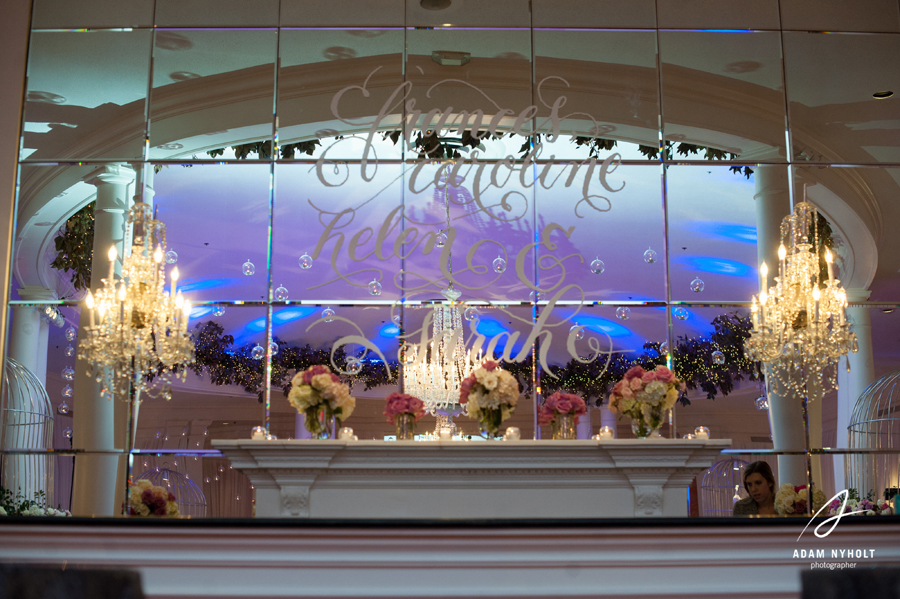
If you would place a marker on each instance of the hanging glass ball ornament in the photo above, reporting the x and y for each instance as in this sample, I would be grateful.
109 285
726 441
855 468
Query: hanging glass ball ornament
71 333
70 351
499 264
273 348
396 319
328 315
68 374
218 310
62 408
441 239
306 261
664 348
681 313
650 256
623 312
762 403
374 288
718 358
534 296
257 352
471 313
577 331
597 266
697 285
67 433
248 268
281 294
67 391
171 257
353 365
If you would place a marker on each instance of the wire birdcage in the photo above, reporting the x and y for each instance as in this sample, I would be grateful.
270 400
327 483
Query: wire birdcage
720 485
26 422
875 424
190 499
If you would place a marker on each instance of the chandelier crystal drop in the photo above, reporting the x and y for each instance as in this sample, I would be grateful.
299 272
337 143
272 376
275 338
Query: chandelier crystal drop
800 326
434 373
138 332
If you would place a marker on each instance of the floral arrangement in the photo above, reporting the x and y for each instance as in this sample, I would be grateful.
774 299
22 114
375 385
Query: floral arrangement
148 499
794 500
403 403
17 505
645 396
859 507
561 403
490 395
316 391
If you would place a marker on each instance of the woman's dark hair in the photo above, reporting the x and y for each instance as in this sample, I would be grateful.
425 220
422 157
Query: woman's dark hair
763 469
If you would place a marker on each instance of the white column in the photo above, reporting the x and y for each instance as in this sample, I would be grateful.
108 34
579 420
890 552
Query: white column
95 490
583 428
862 374
28 338
772 195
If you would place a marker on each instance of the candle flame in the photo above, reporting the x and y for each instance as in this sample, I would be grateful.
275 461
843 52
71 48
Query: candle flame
782 252
113 254
828 257
175 274
763 269
89 301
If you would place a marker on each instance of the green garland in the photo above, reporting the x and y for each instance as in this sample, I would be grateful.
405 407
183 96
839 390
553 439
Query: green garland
75 247
217 357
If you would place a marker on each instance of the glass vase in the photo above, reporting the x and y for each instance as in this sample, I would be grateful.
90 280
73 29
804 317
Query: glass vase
646 430
320 424
406 427
564 427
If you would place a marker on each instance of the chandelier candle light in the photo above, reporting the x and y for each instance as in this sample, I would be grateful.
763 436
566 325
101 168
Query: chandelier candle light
138 335
800 327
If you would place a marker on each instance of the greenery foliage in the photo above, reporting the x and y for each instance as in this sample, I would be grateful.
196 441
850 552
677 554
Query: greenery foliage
75 247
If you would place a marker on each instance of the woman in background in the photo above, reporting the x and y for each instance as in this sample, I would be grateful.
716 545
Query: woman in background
760 484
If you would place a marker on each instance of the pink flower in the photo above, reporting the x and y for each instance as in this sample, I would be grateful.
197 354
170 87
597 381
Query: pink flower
171 497
649 376
551 402
636 384
617 388
634 371
664 375
489 365
563 406
312 371
403 403
546 415
160 511
465 387
627 392
335 378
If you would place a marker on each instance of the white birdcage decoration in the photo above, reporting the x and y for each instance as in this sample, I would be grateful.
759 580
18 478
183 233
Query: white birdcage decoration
26 422
190 499
875 424
721 486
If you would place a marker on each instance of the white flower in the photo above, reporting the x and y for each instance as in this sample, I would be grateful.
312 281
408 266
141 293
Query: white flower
490 381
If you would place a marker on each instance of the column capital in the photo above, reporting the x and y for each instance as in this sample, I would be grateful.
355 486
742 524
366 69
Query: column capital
114 174
857 295
36 293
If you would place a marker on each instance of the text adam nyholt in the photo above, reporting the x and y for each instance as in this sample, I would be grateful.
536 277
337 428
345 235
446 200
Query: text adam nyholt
835 553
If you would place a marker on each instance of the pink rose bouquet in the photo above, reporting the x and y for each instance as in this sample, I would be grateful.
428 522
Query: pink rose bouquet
320 395
490 395
147 499
859 507
402 403
645 396
561 403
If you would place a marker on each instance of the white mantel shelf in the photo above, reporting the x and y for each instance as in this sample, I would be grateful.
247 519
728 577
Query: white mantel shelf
471 480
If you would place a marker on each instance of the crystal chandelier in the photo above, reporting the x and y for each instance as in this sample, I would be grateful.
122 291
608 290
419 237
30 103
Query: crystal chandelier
435 374
138 333
800 327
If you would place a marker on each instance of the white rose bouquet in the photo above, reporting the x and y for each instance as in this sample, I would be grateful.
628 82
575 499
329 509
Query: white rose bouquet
791 500
17 505
320 395
490 395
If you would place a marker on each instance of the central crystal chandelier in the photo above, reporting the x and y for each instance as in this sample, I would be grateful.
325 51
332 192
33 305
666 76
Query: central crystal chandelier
800 327
138 332
434 373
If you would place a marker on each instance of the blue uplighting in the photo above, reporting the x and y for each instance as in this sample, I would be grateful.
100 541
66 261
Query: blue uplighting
188 285
280 317
201 311
389 330
719 266
489 327
724 230
602 325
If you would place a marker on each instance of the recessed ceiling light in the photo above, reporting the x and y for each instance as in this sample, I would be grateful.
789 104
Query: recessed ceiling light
882 95
888 310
